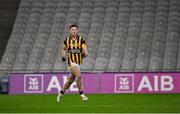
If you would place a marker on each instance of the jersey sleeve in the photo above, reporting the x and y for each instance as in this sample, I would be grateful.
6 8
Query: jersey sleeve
83 43
65 44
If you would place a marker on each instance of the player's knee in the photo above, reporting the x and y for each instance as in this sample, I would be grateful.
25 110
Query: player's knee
78 78
69 81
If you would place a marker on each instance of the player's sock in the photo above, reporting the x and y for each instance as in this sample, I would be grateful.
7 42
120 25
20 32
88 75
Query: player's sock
59 96
81 92
61 92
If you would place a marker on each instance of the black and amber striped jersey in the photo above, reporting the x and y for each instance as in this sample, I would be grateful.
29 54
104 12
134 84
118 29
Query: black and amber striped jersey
74 48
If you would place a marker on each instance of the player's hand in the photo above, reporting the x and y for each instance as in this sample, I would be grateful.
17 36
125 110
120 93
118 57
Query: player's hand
84 55
63 59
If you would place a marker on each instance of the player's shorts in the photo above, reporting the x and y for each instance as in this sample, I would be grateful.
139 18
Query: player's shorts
73 64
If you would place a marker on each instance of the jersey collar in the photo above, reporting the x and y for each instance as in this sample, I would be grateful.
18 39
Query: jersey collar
77 36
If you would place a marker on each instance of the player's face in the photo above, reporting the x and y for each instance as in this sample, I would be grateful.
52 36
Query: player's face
74 31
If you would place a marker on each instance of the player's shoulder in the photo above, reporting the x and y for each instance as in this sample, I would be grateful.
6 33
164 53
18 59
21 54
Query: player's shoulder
82 40
81 37
66 38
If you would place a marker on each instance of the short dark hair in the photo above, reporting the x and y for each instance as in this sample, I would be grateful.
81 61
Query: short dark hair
73 25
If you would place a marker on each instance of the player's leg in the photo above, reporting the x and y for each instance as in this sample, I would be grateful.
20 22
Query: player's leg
68 83
66 86
76 71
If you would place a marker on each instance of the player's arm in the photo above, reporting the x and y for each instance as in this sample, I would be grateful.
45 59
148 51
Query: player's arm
63 51
84 48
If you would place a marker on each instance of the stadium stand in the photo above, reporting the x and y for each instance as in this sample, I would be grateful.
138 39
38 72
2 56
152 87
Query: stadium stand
8 10
122 35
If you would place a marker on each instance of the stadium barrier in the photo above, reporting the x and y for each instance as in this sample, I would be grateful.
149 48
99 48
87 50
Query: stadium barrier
4 86
96 83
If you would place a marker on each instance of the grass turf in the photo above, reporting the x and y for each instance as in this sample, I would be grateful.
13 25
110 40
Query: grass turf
100 103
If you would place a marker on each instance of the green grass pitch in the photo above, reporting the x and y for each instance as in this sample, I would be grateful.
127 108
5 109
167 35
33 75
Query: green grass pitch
97 103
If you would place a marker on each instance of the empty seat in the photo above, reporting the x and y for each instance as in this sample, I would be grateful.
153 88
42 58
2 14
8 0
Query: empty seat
8 58
88 64
19 66
5 66
22 58
46 66
142 64
88 4
59 65
101 64
114 64
128 64
33 66
156 63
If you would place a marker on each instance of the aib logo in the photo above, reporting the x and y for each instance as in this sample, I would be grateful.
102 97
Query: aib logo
33 83
124 83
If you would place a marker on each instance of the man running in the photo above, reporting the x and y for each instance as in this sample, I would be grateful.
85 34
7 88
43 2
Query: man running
77 50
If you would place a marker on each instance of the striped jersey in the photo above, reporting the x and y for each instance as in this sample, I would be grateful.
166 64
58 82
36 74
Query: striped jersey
74 48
